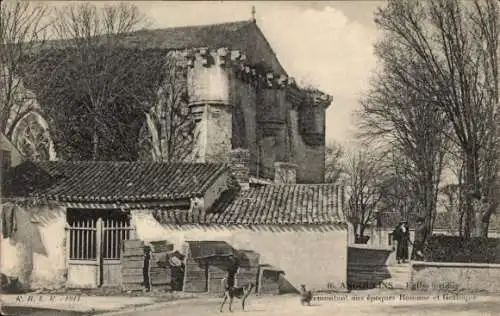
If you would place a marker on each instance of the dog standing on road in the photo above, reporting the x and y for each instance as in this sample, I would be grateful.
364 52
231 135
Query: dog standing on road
239 292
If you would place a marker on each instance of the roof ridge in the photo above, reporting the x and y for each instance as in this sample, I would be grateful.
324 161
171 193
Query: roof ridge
242 22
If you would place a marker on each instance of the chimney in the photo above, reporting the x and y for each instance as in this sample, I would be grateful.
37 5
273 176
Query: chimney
285 172
240 164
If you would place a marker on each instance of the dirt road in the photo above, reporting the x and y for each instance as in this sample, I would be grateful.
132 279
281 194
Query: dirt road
334 305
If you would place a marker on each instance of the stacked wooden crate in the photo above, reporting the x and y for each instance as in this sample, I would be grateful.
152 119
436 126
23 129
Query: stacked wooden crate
249 267
217 271
161 246
160 273
132 263
269 279
195 277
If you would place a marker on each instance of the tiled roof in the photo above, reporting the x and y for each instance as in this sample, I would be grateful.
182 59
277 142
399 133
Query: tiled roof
229 35
238 35
110 181
267 205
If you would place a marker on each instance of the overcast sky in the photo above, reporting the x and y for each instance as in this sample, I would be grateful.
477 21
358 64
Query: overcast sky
325 43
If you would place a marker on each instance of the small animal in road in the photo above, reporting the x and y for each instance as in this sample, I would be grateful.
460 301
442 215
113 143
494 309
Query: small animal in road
241 293
305 295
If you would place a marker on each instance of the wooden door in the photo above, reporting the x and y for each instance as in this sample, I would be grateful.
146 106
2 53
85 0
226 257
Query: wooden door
82 249
115 229
94 245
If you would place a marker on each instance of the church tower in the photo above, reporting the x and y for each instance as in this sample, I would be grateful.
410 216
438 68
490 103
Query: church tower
209 100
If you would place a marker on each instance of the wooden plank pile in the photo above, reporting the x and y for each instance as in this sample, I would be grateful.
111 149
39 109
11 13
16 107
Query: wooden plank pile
132 263
217 270
160 273
162 246
269 279
195 277
269 282
249 267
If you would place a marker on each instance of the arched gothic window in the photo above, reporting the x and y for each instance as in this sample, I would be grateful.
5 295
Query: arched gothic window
31 137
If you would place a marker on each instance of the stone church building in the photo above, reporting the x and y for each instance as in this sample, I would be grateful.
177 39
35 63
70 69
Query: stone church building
257 182
239 96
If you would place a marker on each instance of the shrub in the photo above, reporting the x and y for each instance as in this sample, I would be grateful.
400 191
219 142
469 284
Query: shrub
459 249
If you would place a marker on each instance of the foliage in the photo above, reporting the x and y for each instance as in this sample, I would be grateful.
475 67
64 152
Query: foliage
110 86
458 249
131 77
106 97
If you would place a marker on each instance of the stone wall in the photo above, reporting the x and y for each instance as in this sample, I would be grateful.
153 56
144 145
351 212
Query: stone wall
240 160
310 160
277 143
367 266
442 276
232 112
243 98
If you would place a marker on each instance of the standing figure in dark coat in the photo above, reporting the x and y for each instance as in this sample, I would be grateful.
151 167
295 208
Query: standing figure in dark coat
231 273
147 268
419 242
401 234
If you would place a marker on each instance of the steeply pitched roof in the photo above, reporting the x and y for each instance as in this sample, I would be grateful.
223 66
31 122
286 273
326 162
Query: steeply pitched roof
111 181
274 204
243 35
210 36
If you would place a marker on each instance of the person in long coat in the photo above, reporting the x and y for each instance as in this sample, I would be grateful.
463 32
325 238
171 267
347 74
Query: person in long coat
401 235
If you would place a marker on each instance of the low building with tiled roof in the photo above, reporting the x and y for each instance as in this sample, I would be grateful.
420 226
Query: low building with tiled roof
64 211
105 182
272 204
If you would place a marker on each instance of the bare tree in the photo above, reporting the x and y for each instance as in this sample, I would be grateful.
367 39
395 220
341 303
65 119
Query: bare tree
23 26
454 45
397 186
333 162
412 127
94 38
364 176
168 134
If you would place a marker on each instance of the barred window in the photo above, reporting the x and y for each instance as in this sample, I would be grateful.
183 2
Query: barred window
84 230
